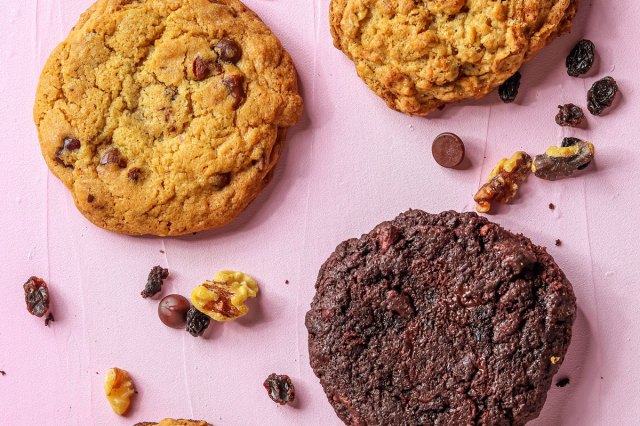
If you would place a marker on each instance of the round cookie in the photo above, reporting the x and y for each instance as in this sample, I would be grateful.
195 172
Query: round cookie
166 117
443 319
420 55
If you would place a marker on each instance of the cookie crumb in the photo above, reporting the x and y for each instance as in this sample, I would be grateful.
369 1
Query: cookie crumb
2 372
562 382
552 206
162 251
49 319
286 282
558 243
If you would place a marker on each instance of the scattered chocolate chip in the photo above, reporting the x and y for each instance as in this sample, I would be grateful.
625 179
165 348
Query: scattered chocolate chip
36 295
280 388
552 206
448 150
220 180
558 243
49 319
235 87
569 115
228 50
90 198
173 309
113 156
562 382
580 59
601 95
197 322
135 174
154 281
509 89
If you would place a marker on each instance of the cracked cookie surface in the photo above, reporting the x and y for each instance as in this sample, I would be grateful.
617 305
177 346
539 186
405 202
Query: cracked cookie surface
443 319
166 117
420 55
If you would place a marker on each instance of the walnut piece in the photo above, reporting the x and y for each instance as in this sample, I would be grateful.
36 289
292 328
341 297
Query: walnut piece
560 162
119 388
503 183
223 298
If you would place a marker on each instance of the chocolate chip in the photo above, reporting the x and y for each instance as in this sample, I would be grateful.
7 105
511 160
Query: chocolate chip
69 144
235 87
173 309
228 50
90 198
448 150
134 174
204 69
113 156
220 180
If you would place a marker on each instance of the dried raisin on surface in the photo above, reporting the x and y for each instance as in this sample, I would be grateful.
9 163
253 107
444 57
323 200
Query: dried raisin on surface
580 59
509 89
154 281
569 115
280 388
197 322
601 95
36 295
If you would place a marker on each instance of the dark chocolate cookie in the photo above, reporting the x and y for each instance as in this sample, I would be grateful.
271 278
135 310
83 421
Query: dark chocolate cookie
443 319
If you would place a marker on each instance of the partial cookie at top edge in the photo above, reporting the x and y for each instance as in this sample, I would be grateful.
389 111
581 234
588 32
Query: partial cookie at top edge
418 58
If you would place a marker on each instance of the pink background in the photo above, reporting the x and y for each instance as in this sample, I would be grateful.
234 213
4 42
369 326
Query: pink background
349 164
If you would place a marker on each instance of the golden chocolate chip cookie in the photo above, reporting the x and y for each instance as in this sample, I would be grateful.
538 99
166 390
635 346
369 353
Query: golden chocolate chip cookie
419 55
166 117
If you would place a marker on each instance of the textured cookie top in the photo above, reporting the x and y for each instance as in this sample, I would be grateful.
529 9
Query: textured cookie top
166 116
441 319
419 55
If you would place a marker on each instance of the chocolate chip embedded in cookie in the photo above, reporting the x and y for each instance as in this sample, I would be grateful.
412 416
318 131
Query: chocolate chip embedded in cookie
421 55
166 117
439 319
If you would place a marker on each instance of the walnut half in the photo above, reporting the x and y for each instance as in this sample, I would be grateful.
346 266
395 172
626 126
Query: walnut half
223 298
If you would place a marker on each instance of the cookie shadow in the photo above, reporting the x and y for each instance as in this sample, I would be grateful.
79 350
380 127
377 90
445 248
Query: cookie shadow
580 367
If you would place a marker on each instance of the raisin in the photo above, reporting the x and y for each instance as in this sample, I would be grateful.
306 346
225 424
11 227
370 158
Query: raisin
601 95
566 142
580 59
49 319
509 89
197 322
280 388
36 295
134 174
113 156
228 50
569 115
235 87
154 281
563 382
